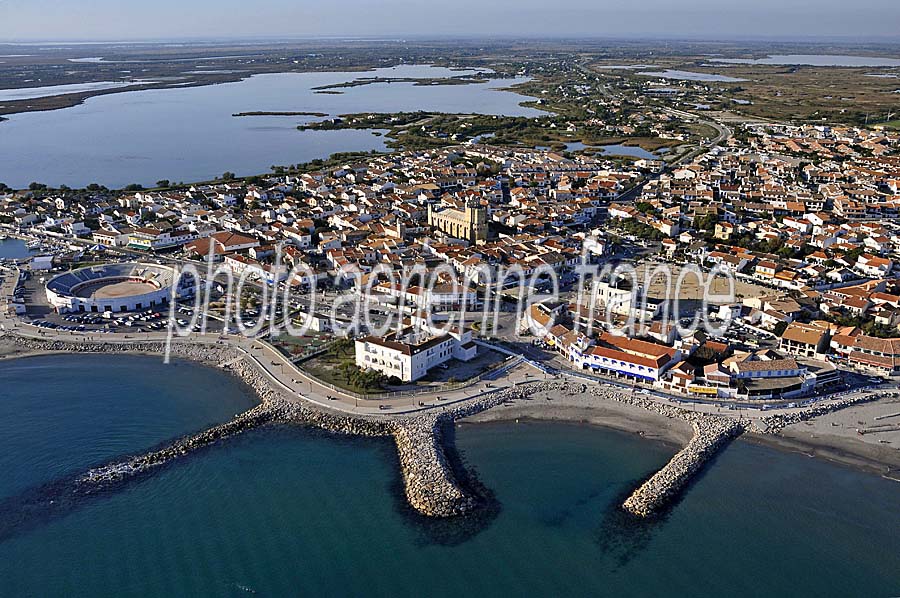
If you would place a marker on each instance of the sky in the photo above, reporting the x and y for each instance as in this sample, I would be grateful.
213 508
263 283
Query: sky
199 19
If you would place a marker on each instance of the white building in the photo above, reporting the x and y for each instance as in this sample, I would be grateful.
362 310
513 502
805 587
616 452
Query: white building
410 354
438 297
621 356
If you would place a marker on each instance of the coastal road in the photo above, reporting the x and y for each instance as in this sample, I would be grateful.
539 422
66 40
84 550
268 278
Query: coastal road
285 374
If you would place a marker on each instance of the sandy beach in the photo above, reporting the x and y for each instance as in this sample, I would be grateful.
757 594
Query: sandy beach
833 437
837 443
584 408
10 350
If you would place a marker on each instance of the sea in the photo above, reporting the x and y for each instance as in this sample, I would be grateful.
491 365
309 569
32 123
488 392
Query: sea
295 511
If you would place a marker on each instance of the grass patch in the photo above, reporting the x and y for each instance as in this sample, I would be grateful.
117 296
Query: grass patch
337 366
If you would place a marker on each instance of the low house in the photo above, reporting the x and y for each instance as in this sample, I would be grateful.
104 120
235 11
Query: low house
221 244
629 358
871 265
880 355
767 374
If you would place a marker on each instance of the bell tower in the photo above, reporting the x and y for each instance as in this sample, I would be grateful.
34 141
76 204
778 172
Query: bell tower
476 221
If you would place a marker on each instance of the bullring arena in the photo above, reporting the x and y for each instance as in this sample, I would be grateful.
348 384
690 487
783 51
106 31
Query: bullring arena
112 288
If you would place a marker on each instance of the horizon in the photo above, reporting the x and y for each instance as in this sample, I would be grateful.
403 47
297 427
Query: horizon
51 21
893 39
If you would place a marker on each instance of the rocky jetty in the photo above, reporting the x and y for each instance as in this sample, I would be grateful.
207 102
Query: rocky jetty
710 434
774 423
209 353
121 470
429 482
427 479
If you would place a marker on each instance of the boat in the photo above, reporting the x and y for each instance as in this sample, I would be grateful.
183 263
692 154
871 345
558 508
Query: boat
33 244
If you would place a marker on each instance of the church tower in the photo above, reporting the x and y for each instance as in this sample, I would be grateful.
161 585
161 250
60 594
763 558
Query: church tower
476 219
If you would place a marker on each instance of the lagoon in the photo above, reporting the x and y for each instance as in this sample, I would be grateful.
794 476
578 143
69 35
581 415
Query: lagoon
690 76
189 134
627 150
815 60
612 150
28 93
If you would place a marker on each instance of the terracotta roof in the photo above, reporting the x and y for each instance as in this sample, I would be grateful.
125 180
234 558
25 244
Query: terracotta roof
803 333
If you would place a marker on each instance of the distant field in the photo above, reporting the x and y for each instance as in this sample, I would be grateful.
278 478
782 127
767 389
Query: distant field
791 93
814 93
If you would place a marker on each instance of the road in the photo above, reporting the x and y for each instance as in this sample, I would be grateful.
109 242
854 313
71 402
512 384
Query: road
722 134
284 374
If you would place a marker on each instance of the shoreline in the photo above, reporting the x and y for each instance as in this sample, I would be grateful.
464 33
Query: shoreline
671 432
584 409
853 456
430 486
675 434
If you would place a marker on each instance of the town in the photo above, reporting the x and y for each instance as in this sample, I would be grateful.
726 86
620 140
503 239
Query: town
802 218
379 308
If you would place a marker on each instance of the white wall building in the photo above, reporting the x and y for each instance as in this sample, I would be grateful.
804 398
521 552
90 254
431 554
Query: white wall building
410 354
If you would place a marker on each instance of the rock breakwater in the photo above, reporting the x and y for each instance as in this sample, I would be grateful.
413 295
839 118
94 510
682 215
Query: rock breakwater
777 422
427 479
710 434
429 484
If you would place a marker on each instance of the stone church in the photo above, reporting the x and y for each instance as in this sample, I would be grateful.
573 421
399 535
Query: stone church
469 224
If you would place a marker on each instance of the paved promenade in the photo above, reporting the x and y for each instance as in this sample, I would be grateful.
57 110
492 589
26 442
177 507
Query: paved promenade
287 376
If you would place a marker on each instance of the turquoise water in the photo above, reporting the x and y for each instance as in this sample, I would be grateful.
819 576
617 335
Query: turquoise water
290 511
62 414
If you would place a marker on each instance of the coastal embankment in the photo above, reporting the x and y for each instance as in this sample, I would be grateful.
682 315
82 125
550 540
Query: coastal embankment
430 486
701 435
429 483
710 434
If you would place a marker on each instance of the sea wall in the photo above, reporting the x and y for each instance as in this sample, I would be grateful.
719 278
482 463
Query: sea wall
202 352
774 423
121 470
427 479
429 483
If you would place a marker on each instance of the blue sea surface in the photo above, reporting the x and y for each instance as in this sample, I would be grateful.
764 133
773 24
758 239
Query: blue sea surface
294 511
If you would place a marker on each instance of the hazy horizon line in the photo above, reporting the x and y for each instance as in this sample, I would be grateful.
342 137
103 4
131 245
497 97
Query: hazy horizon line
400 37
